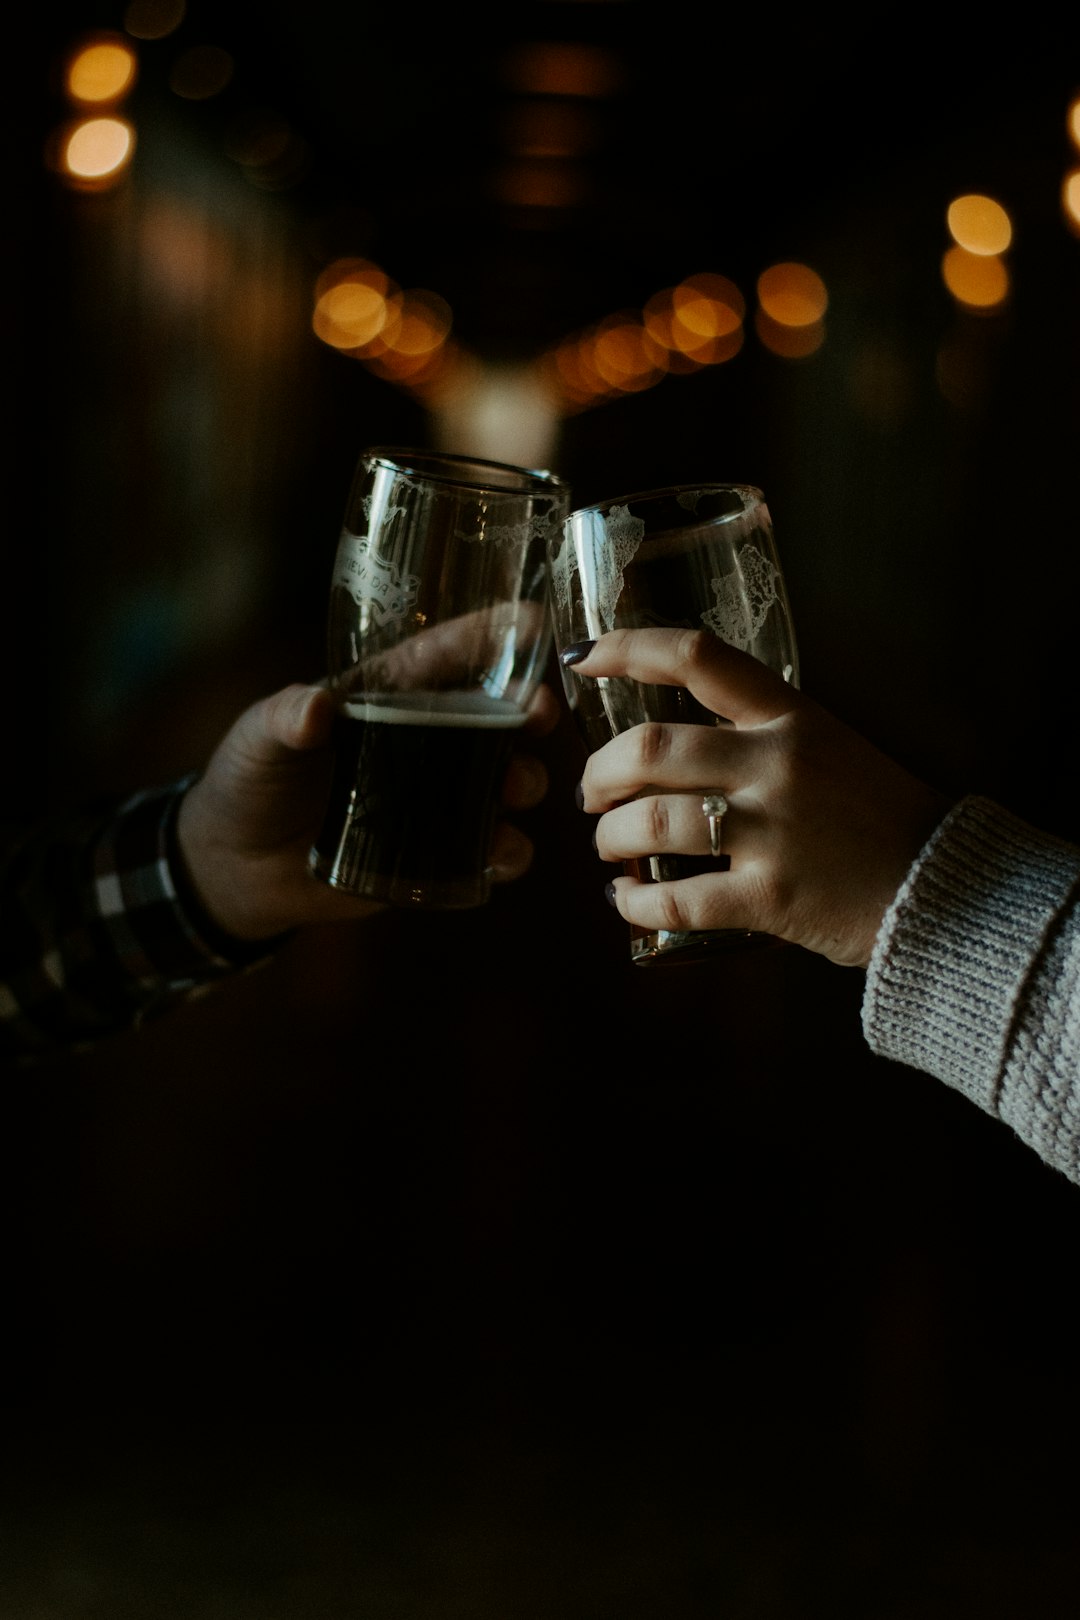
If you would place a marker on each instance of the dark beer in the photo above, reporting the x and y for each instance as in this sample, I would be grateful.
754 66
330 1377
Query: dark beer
414 797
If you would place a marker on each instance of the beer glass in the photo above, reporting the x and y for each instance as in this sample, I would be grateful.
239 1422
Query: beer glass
438 635
691 555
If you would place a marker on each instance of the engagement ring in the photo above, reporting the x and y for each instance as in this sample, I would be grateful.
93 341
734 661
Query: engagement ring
714 806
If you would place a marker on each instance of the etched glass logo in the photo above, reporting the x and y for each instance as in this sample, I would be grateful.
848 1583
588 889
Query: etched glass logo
373 581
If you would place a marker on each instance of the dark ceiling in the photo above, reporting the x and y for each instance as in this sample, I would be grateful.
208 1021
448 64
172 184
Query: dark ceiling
719 142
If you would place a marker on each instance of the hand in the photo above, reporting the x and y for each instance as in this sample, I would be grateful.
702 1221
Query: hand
245 828
821 827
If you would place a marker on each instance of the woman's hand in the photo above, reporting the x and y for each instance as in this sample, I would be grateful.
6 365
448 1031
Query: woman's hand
821 827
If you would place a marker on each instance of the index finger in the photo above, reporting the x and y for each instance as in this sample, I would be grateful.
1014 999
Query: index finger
727 680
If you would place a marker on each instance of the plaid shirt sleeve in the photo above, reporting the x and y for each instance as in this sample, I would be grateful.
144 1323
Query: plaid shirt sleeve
98 929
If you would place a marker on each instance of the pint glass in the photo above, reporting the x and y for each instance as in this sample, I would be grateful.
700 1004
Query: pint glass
438 634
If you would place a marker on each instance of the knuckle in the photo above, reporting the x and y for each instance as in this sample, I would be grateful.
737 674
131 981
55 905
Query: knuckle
673 914
657 823
696 648
653 743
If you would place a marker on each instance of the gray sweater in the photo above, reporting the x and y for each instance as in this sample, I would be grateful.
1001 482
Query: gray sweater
975 976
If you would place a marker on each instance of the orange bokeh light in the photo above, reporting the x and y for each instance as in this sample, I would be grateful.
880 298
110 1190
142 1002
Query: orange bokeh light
792 295
979 224
95 152
102 70
975 280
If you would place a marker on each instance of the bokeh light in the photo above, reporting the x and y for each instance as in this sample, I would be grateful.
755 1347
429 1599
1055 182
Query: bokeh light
790 317
1070 200
201 72
978 281
153 19
96 152
792 294
979 224
558 69
101 71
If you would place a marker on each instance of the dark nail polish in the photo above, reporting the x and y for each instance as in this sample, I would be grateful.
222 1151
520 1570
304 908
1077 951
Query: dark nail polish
579 795
575 653
609 894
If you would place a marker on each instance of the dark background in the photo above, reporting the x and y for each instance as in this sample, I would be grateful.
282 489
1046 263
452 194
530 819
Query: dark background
451 1267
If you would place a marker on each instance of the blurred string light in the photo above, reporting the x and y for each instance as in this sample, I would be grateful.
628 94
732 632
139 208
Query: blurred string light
549 127
405 337
153 19
1070 186
973 268
93 150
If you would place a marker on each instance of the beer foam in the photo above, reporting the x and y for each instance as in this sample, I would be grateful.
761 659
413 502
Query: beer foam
472 710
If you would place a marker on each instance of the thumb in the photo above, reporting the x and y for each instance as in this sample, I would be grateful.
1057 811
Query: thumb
299 718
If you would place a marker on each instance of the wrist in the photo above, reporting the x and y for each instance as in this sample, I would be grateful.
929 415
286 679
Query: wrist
217 928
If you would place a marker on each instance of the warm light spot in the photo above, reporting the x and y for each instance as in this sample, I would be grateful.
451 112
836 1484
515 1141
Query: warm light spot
658 317
570 377
356 305
978 282
539 183
201 72
349 315
709 303
624 354
425 323
1074 122
705 308
699 322
548 129
554 69
103 71
979 224
788 341
98 149
1070 199
361 270
792 295
589 378
153 19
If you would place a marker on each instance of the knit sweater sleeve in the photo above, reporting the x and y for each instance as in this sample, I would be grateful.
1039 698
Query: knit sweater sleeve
975 975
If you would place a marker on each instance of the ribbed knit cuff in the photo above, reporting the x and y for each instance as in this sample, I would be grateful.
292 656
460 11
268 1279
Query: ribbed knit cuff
957 946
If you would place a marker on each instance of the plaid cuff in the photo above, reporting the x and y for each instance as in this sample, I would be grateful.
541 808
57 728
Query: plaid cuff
100 928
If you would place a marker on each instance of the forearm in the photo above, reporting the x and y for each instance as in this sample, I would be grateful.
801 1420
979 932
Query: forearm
975 976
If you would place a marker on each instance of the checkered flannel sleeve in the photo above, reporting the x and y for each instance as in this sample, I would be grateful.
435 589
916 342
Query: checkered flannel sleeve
97 930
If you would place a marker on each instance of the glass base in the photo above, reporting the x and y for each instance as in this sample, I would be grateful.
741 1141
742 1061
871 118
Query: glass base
394 888
666 945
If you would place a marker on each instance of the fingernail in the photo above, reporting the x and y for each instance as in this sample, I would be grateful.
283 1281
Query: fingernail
609 894
579 795
574 654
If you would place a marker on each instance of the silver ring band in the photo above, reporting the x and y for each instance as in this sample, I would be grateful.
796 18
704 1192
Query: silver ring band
714 808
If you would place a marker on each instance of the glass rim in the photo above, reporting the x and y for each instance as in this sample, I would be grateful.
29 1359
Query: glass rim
458 470
750 493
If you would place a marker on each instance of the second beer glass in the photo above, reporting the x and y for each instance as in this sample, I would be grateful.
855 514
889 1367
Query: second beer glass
438 637
694 555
